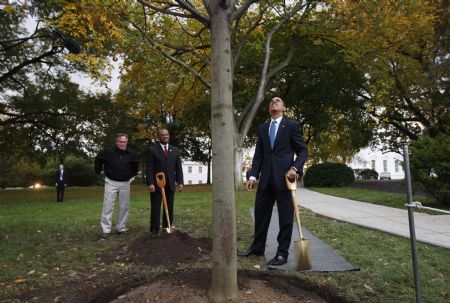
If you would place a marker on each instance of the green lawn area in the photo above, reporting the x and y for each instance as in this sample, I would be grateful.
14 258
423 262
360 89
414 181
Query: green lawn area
45 244
396 200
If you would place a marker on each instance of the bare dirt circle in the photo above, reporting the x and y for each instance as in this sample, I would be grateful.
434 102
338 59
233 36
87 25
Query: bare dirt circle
175 280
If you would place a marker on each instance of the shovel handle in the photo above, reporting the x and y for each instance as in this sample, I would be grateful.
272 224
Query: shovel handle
161 182
166 208
297 215
292 186
161 179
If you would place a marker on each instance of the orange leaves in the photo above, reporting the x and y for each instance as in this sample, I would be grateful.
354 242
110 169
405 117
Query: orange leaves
99 29
8 9
19 280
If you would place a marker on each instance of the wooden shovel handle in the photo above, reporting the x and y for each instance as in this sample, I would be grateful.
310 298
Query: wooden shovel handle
161 179
161 182
292 186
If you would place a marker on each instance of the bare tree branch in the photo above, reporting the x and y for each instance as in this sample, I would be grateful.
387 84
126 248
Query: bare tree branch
284 63
197 15
244 123
160 49
241 10
171 9
245 37
15 69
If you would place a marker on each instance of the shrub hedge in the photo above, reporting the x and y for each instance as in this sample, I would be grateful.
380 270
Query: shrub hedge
328 175
368 174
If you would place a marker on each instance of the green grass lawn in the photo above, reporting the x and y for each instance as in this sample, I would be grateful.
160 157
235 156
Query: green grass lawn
44 244
396 200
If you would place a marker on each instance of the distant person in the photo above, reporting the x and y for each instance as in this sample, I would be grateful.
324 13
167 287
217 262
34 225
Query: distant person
61 181
163 157
118 164
278 141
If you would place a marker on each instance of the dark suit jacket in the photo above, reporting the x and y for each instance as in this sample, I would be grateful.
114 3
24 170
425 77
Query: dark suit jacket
156 162
288 142
65 179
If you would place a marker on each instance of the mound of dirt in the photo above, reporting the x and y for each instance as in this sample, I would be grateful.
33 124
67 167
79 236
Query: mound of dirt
176 284
192 286
167 250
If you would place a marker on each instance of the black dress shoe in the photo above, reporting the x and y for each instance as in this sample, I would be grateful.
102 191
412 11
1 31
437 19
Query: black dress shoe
154 233
250 252
277 261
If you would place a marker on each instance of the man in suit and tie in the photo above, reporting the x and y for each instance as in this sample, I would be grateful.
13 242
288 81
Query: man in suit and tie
163 157
60 183
278 141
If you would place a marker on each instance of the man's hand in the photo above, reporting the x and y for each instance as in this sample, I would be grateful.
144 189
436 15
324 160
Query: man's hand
291 174
102 173
151 188
249 185
180 187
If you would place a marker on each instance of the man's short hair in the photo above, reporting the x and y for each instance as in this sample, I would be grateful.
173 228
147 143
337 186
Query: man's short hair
121 135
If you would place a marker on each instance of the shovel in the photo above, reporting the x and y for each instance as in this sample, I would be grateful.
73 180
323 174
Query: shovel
303 259
161 182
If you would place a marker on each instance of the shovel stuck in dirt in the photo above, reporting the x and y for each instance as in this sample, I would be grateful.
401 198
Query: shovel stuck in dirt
161 182
303 258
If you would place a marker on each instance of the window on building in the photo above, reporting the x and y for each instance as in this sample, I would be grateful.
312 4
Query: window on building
200 181
200 169
397 166
373 164
384 165
189 181
190 169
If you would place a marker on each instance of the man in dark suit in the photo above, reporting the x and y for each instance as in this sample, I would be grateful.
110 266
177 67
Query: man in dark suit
278 141
60 183
163 157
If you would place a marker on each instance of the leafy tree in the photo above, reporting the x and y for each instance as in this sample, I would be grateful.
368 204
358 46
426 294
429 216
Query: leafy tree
430 166
79 170
321 91
21 172
214 19
21 53
402 48
57 117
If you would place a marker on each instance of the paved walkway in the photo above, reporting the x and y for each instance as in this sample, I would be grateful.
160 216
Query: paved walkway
432 229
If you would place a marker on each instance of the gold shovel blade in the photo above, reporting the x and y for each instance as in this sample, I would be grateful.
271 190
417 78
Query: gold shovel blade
303 257
169 230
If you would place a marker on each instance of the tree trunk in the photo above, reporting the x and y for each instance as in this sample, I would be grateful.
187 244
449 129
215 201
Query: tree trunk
224 272
238 159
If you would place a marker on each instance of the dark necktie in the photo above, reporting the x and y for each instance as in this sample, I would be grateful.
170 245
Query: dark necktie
273 127
166 152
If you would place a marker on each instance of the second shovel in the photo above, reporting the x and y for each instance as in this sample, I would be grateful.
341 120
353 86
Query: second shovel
161 182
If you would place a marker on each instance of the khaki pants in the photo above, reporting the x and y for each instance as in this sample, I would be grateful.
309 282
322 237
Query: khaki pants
112 190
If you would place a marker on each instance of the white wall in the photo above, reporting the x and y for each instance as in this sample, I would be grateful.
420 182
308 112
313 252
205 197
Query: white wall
383 162
194 173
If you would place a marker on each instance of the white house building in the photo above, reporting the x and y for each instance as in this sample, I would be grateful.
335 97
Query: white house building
380 162
194 172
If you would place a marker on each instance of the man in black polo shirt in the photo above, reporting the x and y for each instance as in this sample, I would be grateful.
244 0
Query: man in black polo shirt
118 164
